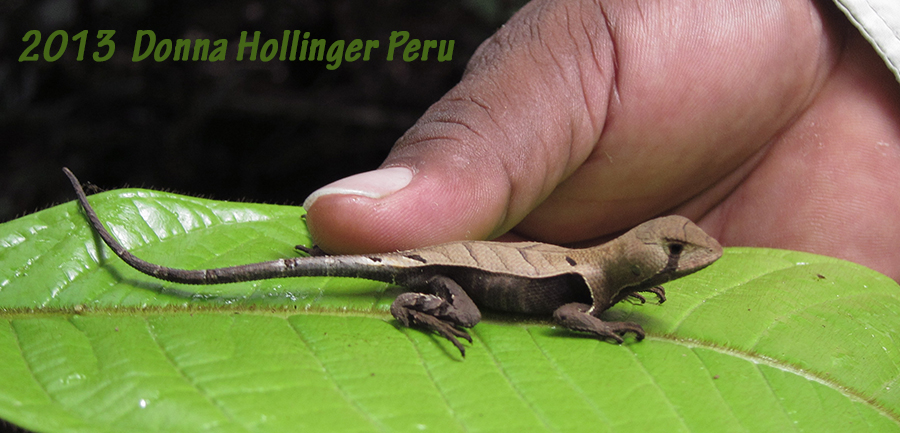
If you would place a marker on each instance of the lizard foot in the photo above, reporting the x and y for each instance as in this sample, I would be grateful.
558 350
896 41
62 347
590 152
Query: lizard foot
575 316
421 310
443 312
315 251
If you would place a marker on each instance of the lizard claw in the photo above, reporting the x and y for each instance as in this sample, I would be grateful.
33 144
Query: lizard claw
315 251
443 328
638 297
658 291
617 330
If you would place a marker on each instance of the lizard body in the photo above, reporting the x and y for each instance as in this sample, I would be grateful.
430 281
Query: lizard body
449 281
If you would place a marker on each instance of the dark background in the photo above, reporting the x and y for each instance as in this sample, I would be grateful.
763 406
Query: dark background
262 132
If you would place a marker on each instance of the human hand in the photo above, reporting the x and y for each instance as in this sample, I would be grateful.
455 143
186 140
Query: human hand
770 123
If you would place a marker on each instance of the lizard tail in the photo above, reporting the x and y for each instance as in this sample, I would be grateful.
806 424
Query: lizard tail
346 266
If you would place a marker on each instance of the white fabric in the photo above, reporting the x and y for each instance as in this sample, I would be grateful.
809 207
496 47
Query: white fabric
879 22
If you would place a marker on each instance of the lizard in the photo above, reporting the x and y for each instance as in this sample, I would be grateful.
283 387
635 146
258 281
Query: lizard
448 282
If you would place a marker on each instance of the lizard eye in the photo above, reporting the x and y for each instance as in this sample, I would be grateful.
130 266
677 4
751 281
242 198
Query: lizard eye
675 249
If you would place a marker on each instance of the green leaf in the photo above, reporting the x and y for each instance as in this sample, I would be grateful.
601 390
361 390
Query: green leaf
763 340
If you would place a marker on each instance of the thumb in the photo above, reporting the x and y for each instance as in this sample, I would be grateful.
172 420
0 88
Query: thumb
489 151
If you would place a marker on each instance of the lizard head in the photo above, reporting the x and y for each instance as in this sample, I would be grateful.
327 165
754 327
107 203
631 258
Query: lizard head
667 248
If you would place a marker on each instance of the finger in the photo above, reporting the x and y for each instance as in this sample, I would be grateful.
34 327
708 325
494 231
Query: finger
491 149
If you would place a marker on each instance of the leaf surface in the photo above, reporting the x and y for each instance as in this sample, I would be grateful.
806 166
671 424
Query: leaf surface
763 340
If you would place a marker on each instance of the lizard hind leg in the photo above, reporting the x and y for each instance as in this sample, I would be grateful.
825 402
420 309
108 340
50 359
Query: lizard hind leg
444 310
575 316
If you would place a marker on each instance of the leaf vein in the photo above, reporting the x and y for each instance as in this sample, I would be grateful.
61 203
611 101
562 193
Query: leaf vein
499 366
337 387
718 391
433 380
774 394
21 351
660 388
572 383
718 292
213 402
783 366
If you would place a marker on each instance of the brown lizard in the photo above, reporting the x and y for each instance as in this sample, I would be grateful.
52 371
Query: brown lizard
449 281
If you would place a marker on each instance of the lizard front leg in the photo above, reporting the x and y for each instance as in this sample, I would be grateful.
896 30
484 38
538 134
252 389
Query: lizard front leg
575 316
443 310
